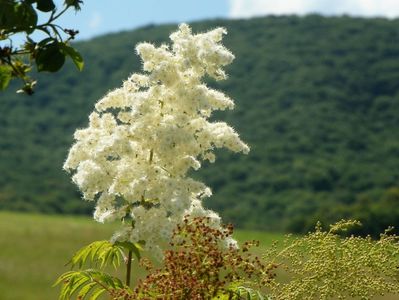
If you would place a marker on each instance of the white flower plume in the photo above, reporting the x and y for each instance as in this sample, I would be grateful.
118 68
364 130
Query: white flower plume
144 137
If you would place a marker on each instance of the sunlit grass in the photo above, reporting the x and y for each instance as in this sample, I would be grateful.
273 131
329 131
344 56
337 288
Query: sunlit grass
35 248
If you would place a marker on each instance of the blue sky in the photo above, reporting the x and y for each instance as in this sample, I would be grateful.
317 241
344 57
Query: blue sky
103 16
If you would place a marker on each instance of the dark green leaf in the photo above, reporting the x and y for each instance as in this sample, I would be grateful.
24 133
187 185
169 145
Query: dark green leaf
10 15
45 5
50 58
73 54
6 14
24 18
46 41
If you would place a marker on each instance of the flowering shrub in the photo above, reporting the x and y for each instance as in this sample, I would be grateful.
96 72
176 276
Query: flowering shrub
323 265
144 137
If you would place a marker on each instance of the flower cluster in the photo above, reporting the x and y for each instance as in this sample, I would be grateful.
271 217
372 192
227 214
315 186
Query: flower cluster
144 137
323 265
199 267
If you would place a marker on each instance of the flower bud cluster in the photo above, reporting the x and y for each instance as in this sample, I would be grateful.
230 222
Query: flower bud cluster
199 267
144 137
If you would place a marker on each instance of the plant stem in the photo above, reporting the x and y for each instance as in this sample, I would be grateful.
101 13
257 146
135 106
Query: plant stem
129 267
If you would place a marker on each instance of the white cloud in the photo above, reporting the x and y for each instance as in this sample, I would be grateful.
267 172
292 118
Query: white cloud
366 8
95 20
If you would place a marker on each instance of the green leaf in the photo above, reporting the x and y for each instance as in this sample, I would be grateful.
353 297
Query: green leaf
73 54
50 58
135 247
24 18
100 253
83 282
6 14
78 284
248 293
46 41
45 5
96 294
5 76
85 290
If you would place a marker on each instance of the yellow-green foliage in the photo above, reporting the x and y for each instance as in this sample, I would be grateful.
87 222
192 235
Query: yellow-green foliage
322 265
89 284
99 253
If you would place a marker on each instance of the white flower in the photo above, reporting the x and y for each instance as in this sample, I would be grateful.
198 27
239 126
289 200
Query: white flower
144 137
230 243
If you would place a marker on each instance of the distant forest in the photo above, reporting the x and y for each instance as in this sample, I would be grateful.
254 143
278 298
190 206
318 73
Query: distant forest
317 99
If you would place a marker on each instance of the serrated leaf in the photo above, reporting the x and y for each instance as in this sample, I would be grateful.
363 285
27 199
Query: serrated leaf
101 244
100 253
73 54
82 283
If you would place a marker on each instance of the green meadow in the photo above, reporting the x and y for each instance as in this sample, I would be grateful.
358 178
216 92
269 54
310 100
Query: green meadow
35 248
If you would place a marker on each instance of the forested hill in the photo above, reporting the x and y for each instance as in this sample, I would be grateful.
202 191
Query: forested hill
317 100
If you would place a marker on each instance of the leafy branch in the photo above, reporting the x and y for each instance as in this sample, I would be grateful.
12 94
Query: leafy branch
91 283
95 282
49 54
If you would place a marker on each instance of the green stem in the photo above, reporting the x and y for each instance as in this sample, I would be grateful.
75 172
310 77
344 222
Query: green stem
129 267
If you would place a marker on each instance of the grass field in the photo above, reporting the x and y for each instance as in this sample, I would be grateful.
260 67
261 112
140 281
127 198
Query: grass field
35 248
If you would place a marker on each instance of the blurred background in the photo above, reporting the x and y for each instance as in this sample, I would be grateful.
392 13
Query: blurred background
316 85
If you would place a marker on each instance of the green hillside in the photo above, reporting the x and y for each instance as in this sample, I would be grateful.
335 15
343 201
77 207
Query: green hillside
317 100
